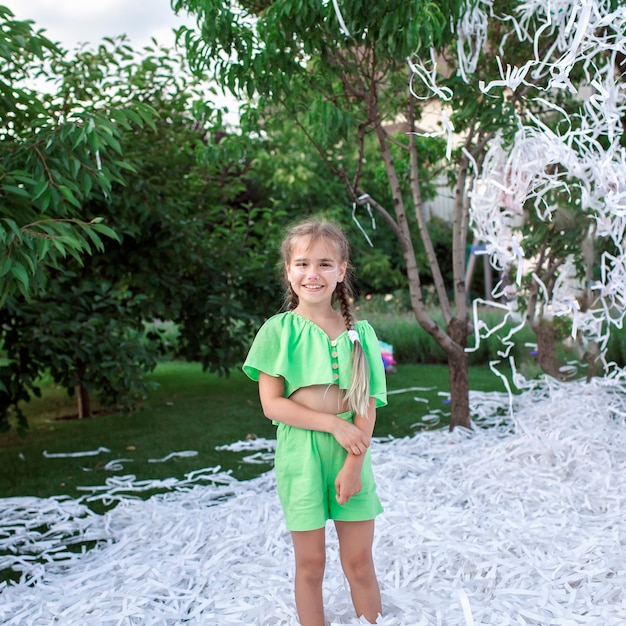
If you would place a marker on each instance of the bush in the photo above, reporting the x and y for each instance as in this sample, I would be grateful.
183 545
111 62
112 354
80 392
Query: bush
396 325
411 343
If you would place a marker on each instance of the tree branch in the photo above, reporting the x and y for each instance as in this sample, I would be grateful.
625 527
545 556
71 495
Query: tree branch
416 193
364 198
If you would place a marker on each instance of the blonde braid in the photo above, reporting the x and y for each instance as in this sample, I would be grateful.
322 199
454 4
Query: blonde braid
341 293
291 299
359 393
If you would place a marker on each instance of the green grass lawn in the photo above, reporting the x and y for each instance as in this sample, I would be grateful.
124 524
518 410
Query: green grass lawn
189 410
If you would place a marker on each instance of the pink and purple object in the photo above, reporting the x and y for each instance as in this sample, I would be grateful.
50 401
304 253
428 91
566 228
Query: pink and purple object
386 351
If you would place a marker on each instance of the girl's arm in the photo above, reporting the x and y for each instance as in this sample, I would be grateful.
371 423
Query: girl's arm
348 481
276 407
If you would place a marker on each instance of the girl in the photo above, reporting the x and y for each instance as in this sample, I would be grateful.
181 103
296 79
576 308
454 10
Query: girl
321 378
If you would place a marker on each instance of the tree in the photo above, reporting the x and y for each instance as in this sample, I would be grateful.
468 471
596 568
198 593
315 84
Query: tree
344 81
349 72
87 334
184 223
191 218
53 156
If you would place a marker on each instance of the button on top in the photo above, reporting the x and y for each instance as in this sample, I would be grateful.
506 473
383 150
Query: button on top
334 363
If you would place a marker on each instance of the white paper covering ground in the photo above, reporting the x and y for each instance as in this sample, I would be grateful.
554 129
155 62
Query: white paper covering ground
520 523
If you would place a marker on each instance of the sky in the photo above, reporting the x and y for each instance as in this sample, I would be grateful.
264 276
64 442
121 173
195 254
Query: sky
72 22
75 22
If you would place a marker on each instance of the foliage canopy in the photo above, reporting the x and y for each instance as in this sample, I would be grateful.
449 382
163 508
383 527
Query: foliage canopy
188 232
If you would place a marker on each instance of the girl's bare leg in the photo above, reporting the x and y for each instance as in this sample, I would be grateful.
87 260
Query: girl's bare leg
355 546
310 552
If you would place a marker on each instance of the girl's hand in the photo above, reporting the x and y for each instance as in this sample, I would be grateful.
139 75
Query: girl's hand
350 437
347 484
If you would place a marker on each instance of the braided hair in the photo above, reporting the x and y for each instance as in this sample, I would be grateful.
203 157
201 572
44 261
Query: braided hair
358 393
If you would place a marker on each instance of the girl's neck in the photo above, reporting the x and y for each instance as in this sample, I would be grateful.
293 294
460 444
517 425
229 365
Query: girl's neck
318 314
328 319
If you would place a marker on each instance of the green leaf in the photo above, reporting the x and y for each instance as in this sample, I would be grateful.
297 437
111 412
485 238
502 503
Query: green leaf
17 191
44 249
46 198
135 117
18 271
105 230
15 229
40 189
5 265
67 193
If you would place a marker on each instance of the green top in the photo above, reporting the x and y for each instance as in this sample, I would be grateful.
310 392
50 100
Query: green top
294 347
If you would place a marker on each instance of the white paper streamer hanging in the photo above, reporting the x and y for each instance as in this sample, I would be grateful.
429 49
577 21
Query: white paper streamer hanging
575 44
356 221
342 23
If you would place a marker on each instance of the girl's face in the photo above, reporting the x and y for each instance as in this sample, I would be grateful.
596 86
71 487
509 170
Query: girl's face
314 270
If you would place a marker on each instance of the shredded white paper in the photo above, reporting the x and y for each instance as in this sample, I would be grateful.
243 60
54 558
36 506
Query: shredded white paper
520 521
577 48
68 455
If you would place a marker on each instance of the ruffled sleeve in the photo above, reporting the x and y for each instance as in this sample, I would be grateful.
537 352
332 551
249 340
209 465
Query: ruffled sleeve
293 347
268 353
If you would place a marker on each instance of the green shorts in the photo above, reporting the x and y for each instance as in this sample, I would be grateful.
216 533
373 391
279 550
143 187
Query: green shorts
307 463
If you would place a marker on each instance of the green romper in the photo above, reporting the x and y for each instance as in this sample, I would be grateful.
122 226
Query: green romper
308 461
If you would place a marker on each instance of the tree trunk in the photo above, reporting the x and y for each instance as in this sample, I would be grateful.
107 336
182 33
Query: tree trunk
84 402
454 340
458 375
592 357
416 194
546 348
